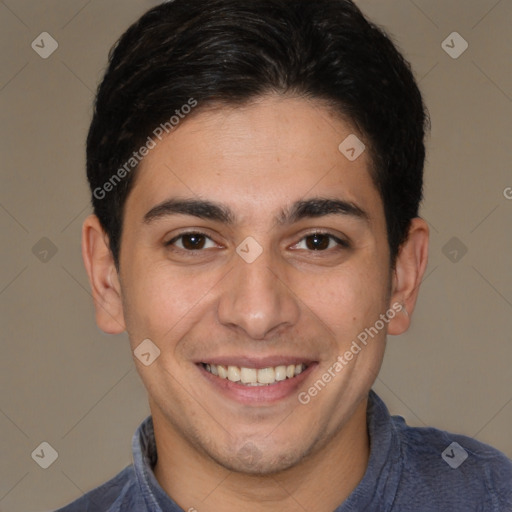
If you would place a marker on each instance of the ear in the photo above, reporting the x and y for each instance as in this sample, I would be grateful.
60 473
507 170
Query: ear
409 270
103 277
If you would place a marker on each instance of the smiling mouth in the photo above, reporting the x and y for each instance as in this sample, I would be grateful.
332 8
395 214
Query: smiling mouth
254 376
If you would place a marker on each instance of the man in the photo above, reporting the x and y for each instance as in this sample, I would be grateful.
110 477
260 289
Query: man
256 173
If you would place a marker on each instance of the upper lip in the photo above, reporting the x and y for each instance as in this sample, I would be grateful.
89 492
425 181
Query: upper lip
257 362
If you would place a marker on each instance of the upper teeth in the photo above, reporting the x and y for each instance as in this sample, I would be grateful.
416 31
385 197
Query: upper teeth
253 376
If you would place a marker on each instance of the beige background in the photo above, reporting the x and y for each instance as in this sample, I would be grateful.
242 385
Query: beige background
66 383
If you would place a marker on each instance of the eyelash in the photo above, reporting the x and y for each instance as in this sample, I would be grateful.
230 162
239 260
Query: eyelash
342 244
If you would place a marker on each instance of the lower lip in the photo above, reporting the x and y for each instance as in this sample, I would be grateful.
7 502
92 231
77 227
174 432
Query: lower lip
258 394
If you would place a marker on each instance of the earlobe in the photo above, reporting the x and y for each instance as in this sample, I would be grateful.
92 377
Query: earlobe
410 267
103 277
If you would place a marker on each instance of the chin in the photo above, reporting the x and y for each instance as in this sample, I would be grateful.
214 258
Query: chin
257 461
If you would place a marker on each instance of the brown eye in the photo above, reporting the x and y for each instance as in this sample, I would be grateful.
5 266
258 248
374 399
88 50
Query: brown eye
321 242
318 242
191 242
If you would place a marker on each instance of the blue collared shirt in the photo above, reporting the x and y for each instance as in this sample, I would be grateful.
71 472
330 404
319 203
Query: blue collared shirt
409 470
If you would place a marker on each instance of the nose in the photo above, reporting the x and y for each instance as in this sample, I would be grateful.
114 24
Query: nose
256 299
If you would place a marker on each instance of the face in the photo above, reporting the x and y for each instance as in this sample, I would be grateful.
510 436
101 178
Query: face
254 250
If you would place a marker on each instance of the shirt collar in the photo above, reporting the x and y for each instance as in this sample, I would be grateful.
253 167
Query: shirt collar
144 460
376 490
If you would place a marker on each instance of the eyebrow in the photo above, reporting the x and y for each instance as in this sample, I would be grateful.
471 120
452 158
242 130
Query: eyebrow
203 209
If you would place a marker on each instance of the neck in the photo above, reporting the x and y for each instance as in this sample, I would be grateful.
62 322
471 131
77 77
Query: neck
321 482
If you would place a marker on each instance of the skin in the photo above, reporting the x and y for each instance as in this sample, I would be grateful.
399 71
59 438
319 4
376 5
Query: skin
216 453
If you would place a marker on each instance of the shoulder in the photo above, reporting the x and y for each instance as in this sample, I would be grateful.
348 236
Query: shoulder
111 496
453 471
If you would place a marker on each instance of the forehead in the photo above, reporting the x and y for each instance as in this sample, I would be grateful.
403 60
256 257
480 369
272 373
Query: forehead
257 158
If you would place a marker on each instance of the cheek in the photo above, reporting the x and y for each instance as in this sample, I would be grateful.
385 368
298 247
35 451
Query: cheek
161 302
348 298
